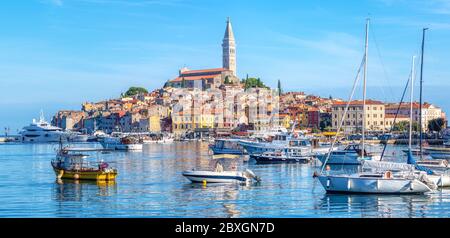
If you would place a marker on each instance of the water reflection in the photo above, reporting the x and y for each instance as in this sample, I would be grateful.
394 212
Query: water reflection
76 190
150 184
385 206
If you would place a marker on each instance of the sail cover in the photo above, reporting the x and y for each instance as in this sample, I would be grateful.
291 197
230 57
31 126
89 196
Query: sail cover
384 166
412 161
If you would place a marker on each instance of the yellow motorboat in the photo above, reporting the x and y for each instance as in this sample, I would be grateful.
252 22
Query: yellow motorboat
74 163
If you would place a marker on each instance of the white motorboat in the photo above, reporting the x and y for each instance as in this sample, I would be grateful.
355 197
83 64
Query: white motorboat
224 168
78 137
42 131
282 141
121 143
219 177
157 138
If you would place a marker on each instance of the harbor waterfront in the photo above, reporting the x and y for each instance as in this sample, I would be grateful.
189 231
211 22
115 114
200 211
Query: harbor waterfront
150 184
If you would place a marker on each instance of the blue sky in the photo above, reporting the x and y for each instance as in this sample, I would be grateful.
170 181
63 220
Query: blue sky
58 53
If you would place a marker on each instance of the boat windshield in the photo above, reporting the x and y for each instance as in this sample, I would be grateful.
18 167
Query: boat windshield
225 163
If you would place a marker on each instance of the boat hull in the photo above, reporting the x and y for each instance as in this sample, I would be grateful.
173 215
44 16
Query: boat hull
340 159
218 151
85 175
440 180
280 160
349 184
215 177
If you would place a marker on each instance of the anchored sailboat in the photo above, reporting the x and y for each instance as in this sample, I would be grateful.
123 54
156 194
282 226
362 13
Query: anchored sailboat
383 177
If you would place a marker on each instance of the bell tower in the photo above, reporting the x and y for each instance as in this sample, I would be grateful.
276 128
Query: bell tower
229 49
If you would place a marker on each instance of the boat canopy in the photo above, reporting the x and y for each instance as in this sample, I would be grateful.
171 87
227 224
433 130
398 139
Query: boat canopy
384 166
225 162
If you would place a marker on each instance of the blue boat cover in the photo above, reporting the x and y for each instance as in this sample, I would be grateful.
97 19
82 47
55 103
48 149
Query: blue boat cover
412 161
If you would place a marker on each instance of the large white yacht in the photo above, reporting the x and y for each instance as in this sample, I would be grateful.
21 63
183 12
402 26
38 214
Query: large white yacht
42 131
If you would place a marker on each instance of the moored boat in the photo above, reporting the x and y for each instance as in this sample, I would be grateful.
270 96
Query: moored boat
224 168
121 143
273 157
227 146
74 163
42 132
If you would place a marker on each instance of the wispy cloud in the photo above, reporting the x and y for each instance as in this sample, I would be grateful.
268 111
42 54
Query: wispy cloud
57 3
136 2
438 6
333 43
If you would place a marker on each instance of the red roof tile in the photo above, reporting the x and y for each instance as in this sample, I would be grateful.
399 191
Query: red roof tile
359 102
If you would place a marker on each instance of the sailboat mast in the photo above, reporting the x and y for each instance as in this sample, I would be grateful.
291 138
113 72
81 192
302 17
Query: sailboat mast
411 101
421 83
366 51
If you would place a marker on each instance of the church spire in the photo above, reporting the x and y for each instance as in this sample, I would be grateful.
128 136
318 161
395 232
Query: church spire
229 49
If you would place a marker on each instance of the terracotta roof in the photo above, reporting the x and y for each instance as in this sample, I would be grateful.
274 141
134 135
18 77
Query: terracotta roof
189 78
359 102
416 105
203 71
399 116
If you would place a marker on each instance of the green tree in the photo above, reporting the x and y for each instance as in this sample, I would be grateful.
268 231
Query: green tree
134 91
227 80
404 126
279 88
437 124
253 83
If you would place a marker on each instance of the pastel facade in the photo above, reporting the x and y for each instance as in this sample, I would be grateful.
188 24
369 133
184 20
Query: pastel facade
353 121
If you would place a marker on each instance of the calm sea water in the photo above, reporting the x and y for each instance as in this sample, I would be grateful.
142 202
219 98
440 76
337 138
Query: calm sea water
150 184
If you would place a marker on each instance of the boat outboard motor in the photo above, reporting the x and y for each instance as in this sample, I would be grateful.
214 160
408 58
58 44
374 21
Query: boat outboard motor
252 175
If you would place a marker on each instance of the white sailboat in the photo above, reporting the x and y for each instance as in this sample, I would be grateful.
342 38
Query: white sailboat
377 181
437 169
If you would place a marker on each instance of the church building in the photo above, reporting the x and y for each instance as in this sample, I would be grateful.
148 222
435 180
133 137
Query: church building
212 78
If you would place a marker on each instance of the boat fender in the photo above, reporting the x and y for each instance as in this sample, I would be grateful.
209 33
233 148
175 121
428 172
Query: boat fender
388 175
204 182
60 173
76 176
328 183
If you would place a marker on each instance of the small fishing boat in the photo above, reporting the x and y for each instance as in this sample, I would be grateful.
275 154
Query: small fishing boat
273 157
76 164
227 146
222 169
